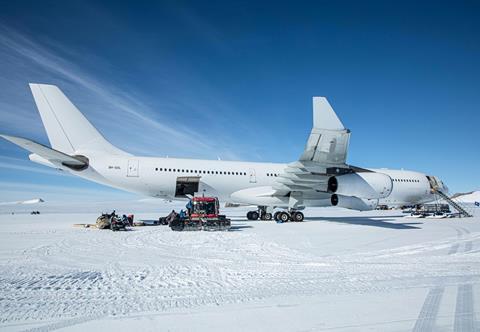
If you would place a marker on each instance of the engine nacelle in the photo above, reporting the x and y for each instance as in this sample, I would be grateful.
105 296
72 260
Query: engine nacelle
354 203
365 185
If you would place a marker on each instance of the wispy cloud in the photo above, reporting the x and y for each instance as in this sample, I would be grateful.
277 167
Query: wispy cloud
143 123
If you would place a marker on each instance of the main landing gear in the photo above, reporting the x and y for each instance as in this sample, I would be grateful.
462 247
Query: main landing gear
279 216
285 216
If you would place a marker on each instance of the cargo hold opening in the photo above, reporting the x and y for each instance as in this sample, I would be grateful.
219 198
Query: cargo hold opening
186 186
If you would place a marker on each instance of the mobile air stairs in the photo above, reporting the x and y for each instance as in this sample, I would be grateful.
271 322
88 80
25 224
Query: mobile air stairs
461 210
437 188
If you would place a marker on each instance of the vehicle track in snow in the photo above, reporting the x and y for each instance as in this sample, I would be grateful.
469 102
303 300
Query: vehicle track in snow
98 273
464 317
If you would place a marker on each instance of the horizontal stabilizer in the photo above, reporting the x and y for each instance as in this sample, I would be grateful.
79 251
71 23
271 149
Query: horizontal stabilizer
54 156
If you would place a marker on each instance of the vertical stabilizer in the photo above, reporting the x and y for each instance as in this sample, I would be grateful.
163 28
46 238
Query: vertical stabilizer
324 117
67 128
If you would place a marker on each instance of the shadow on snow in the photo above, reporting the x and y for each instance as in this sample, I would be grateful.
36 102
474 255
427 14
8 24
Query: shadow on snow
366 221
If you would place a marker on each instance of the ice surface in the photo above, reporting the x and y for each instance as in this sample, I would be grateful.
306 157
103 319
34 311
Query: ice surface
470 198
339 270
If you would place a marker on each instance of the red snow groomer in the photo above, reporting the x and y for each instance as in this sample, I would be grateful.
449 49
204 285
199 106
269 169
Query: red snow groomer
203 214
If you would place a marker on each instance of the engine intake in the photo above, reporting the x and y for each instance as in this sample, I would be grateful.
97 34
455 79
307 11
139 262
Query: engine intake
354 203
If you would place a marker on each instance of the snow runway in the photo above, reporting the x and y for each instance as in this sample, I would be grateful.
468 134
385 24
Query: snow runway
340 270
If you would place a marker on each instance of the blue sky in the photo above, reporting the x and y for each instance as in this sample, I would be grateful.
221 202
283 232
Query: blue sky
235 79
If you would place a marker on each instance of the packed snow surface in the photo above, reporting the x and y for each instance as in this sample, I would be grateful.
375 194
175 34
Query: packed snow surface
339 270
470 198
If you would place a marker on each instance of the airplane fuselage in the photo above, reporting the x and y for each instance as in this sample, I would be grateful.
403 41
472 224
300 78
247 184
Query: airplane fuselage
157 177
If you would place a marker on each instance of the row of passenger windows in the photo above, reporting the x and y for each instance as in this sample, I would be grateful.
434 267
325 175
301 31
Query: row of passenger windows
272 174
198 171
406 180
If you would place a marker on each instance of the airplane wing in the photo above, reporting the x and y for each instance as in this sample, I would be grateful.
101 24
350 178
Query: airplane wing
324 155
53 156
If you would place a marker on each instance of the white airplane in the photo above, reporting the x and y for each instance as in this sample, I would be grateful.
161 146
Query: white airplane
320 177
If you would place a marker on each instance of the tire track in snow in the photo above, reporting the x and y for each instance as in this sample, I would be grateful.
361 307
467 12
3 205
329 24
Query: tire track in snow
464 312
428 314
63 324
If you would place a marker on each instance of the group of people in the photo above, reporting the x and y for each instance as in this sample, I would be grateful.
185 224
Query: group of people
182 214
173 215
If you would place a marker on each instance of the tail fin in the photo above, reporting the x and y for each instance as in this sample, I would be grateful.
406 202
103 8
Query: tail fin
67 129
328 140
324 116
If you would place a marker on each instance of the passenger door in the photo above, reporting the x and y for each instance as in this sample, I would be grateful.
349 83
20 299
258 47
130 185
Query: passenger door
133 168
253 177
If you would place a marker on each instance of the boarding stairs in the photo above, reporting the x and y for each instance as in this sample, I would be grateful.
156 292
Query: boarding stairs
461 210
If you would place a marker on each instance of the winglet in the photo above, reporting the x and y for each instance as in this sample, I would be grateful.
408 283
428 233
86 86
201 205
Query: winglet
324 117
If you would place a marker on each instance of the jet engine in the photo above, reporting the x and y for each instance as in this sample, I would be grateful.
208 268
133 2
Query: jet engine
368 185
354 203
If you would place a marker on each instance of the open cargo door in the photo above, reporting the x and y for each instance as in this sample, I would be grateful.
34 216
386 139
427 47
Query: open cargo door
187 185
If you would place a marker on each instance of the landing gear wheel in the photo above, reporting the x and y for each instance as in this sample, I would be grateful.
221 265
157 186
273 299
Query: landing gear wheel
283 217
249 215
254 215
267 216
275 215
297 216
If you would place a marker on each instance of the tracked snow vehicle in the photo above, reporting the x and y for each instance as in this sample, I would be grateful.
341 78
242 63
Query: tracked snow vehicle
203 214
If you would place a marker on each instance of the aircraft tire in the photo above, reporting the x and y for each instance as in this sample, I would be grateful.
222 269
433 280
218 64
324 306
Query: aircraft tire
267 216
275 215
297 216
254 215
283 217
